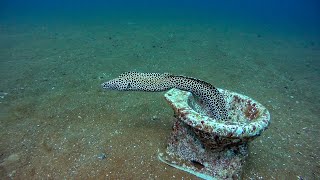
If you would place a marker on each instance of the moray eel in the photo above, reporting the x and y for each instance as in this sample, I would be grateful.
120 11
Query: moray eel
208 94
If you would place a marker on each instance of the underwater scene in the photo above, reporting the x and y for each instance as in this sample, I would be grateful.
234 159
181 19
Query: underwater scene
160 89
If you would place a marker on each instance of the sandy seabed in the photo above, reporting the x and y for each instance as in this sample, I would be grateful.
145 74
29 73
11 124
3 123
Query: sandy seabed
57 122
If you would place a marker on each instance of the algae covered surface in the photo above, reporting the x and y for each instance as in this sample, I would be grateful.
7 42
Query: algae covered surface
57 122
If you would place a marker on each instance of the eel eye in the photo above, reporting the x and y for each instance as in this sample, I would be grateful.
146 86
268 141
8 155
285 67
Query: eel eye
104 85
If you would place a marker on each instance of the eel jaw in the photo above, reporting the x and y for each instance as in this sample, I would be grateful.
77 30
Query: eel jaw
110 85
115 84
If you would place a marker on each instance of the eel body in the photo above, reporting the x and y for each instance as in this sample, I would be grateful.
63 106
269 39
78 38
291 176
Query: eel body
208 94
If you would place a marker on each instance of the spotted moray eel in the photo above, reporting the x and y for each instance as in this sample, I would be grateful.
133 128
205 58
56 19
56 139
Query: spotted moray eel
208 94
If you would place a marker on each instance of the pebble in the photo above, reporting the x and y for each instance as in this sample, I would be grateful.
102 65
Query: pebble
154 118
3 94
102 156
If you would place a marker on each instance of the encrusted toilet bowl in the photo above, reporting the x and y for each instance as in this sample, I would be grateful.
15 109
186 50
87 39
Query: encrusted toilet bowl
211 148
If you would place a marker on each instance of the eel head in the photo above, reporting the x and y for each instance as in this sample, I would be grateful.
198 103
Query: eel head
119 84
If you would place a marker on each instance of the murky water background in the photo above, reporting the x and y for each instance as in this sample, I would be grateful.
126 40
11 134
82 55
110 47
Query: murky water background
57 122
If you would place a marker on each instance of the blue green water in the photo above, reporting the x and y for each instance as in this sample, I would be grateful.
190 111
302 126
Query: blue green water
56 120
294 15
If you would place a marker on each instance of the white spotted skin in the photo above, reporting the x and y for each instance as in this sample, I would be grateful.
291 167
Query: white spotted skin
134 81
212 98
